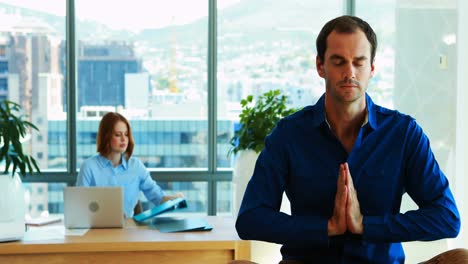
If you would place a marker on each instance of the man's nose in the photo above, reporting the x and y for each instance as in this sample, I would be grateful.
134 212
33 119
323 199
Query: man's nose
349 72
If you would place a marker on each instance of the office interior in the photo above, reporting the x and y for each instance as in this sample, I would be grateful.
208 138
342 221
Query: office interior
178 70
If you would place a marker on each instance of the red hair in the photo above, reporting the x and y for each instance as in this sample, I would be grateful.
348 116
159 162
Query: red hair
106 129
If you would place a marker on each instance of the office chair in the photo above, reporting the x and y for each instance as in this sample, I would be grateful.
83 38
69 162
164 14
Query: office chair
454 256
138 208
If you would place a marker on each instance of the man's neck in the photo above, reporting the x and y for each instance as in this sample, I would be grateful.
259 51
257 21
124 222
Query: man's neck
345 120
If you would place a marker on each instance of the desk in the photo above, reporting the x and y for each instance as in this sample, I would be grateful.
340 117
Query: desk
134 244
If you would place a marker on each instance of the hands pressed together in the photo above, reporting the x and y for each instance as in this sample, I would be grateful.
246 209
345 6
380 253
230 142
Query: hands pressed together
347 214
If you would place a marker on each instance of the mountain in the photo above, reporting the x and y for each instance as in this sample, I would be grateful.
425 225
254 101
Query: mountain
251 20
55 22
242 23
86 29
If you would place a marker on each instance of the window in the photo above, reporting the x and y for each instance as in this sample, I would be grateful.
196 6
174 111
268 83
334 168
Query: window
149 67
32 39
3 67
149 64
3 85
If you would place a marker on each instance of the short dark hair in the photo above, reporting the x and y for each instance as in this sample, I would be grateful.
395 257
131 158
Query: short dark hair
345 24
106 129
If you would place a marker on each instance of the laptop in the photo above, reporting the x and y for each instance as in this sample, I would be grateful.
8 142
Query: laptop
93 207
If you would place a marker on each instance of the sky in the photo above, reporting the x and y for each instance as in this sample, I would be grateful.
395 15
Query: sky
132 15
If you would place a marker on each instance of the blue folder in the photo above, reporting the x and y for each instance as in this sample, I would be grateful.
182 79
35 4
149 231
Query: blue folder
162 208
189 224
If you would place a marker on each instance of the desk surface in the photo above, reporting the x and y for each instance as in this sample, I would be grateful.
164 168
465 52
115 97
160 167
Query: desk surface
134 238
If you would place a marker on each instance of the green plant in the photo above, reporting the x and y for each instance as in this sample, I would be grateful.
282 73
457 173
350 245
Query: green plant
257 121
13 127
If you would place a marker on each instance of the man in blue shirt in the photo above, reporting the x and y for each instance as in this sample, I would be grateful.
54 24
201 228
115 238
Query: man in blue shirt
345 164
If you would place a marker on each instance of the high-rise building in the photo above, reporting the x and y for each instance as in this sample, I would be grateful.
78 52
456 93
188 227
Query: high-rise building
101 73
4 43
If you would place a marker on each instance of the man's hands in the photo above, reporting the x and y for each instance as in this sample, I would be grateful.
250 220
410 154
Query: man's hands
353 210
337 223
347 213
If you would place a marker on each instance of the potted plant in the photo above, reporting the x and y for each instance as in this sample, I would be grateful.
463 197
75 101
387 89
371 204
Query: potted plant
13 128
257 119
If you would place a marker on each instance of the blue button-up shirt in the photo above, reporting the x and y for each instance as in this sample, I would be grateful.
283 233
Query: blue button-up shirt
390 156
131 175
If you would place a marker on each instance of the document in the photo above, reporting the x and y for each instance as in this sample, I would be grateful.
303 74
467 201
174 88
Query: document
43 220
55 232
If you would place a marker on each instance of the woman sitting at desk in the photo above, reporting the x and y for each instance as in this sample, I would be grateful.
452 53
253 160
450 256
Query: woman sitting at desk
114 165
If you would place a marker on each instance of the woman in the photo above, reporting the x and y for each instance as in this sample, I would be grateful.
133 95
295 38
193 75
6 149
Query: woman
114 165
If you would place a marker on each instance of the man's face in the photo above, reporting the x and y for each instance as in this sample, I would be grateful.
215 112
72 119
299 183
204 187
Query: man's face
347 68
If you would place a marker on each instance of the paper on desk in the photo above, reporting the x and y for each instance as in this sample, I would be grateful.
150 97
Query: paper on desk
51 233
44 233
43 220
76 232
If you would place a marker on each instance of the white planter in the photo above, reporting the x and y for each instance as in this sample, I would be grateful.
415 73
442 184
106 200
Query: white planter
243 169
261 252
12 208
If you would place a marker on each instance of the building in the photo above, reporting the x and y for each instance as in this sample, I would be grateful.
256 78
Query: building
4 44
102 69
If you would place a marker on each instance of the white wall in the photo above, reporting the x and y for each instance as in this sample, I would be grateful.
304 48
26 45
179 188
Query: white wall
461 192
455 164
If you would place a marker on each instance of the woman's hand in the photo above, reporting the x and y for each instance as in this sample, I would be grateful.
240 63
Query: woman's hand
172 197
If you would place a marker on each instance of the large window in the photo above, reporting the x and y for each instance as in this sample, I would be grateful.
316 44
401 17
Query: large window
150 64
31 58
32 42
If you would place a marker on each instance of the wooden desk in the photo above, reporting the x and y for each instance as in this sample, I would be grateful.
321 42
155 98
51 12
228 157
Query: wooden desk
134 244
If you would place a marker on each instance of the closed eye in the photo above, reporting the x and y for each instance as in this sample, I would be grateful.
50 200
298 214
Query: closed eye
361 61
337 61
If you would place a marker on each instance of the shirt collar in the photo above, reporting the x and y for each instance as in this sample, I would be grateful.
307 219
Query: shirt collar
124 162
371 112
320 117
105 162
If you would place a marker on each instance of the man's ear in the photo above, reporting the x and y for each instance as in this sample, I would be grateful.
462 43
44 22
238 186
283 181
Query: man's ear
319 66
372 70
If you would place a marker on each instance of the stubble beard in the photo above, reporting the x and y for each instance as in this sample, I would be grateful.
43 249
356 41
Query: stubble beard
345 97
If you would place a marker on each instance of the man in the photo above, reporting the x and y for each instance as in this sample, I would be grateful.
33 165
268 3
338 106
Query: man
345 164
